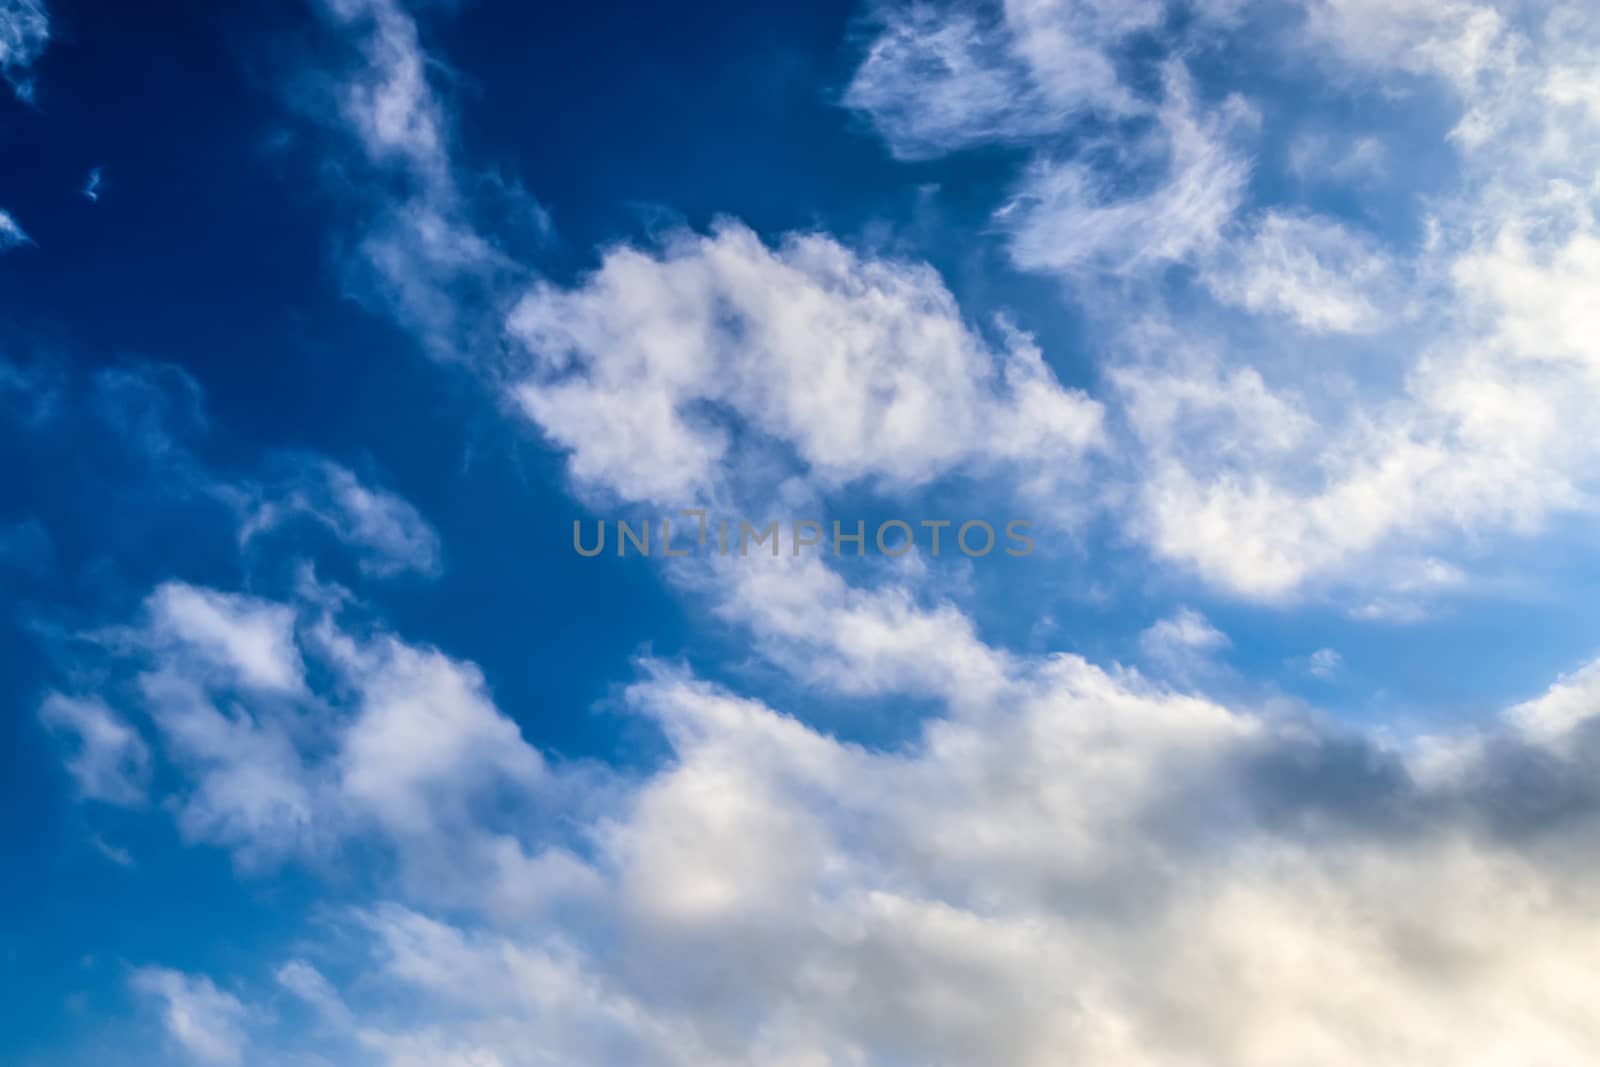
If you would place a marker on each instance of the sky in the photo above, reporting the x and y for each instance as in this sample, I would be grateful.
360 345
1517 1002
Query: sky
1261 334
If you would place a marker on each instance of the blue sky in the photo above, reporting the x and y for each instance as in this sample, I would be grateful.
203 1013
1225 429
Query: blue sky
322 323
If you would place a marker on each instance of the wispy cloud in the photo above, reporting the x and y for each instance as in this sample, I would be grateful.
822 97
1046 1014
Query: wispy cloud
24 32
11 234
204 1021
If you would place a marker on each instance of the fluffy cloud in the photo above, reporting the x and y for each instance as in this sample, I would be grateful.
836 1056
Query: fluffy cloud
1555 718
1069 862
408 747
1318 475
249 642
1435 398
862 367
1182 640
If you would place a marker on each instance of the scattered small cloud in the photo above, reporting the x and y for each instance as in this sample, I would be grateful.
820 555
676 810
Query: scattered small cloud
1324 663
12 235
1182 642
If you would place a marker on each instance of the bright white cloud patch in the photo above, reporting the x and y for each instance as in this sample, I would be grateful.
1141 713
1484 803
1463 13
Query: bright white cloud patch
408 747
249 641
1561 713
863 367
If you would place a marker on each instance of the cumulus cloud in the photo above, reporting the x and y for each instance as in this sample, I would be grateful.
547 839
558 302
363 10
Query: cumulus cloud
407 747
1069 862
1559 715
863 367
24 32
1182 641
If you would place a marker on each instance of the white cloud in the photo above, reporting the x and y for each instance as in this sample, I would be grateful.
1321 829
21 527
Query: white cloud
1457 40
248 639
406 746
1065 862
1071 217
24 32
935 81
109 760
1472 427
863 367
421 259
206 1022
1086 868
1574 86
425 727
1553 718
308 984
1431 390
1316 272
811 622
391 536
11 234
1182 640
1325 663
